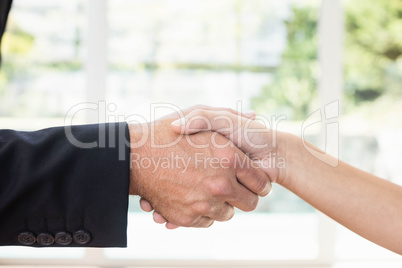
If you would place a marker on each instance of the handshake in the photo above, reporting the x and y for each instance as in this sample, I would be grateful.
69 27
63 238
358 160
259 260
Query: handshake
194 170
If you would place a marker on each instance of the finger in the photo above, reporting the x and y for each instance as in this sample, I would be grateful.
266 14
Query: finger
242 198
203 222
249 135
223 212
250 175
171 226
249 114
158 218
199 222
145 205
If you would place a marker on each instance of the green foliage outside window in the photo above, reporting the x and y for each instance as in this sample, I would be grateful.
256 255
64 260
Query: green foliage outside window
294 81
372 62
374 49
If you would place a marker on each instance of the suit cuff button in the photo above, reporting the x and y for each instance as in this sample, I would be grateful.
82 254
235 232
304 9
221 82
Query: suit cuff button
63 238
26 238
82 237
45 239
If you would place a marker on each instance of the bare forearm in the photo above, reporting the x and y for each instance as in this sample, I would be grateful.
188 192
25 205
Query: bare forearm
364 203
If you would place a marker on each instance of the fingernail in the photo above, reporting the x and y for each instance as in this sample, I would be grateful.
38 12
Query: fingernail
267 189
179 122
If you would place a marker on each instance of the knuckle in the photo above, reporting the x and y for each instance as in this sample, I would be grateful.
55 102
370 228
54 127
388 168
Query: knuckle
202 208
229 213
200 113
230 155
227 154
186 221
198 118
220 187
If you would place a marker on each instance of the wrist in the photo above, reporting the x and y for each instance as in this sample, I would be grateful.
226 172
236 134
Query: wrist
139 134
289 149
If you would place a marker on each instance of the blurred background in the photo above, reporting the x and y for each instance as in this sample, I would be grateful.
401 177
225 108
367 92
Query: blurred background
289 57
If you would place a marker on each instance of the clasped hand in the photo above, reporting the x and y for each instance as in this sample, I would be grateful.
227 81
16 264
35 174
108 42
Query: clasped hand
194 180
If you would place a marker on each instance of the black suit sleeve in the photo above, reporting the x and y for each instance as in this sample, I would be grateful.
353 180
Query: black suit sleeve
65 186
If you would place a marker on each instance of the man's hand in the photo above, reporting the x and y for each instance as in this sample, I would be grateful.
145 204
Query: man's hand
191 180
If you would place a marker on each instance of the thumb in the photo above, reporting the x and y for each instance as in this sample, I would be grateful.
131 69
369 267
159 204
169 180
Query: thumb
225 123
194 122
212 119
178 125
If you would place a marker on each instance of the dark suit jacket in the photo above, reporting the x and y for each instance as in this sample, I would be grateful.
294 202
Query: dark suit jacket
54 193
50 186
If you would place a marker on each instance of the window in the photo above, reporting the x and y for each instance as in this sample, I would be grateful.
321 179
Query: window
277 57
43 52
371 125
213 52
